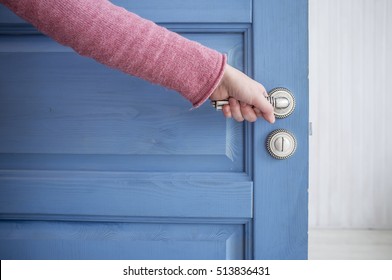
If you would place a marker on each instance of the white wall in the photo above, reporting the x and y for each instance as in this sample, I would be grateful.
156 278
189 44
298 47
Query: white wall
351 111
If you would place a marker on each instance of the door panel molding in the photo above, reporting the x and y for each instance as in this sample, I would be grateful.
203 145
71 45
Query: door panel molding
230 183
77 240
192 195
227 11
83 147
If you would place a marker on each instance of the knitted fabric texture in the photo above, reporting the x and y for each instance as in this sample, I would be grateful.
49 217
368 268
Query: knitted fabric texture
122 40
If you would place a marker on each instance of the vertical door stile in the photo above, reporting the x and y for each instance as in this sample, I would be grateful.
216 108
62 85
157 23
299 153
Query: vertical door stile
280 57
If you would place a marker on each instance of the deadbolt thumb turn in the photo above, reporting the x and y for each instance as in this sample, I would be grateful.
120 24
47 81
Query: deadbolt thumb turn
280 98
281 144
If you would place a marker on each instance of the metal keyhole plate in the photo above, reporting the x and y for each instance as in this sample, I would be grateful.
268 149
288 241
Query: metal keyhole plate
281 144
280 98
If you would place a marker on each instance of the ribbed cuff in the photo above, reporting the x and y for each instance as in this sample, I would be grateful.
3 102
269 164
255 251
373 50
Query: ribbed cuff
210 87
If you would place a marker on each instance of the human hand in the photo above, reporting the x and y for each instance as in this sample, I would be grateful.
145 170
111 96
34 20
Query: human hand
247 98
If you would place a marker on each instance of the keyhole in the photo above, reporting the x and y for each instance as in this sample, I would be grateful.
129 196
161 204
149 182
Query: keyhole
282 144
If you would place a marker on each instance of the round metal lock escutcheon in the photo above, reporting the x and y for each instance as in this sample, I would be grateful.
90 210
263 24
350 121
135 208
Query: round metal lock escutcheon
281 144
280 98
283 102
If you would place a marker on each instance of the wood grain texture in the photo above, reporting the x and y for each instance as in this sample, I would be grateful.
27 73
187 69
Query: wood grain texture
75 240
91 154
125 194
168 11
280 192
48 90
66 115
350 82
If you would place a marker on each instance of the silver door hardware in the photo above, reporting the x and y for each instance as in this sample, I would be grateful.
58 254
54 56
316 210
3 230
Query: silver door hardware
218 104
283 102
281 144
281 99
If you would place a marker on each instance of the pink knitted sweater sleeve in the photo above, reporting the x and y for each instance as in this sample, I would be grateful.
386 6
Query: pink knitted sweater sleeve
125 41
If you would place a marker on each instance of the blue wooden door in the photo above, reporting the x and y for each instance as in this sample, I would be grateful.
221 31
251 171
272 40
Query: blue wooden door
95 164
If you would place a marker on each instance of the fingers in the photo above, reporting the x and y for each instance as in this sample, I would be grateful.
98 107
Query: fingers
264 108
259 114
266 116
269 117
248 113
226 111
239 111
238 86
243 111
236 110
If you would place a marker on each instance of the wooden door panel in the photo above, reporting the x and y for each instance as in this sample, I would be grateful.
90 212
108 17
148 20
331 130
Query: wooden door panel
80 240
32 194
82 145
48 90
96 164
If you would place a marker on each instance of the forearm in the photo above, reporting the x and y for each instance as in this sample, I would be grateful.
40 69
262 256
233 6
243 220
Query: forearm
123 40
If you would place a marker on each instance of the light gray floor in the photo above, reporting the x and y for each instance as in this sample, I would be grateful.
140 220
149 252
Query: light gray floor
350 244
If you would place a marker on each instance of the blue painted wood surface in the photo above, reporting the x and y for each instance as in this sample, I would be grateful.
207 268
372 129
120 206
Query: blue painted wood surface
280 38
96 119
76 240
92 156
179 195
168 11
